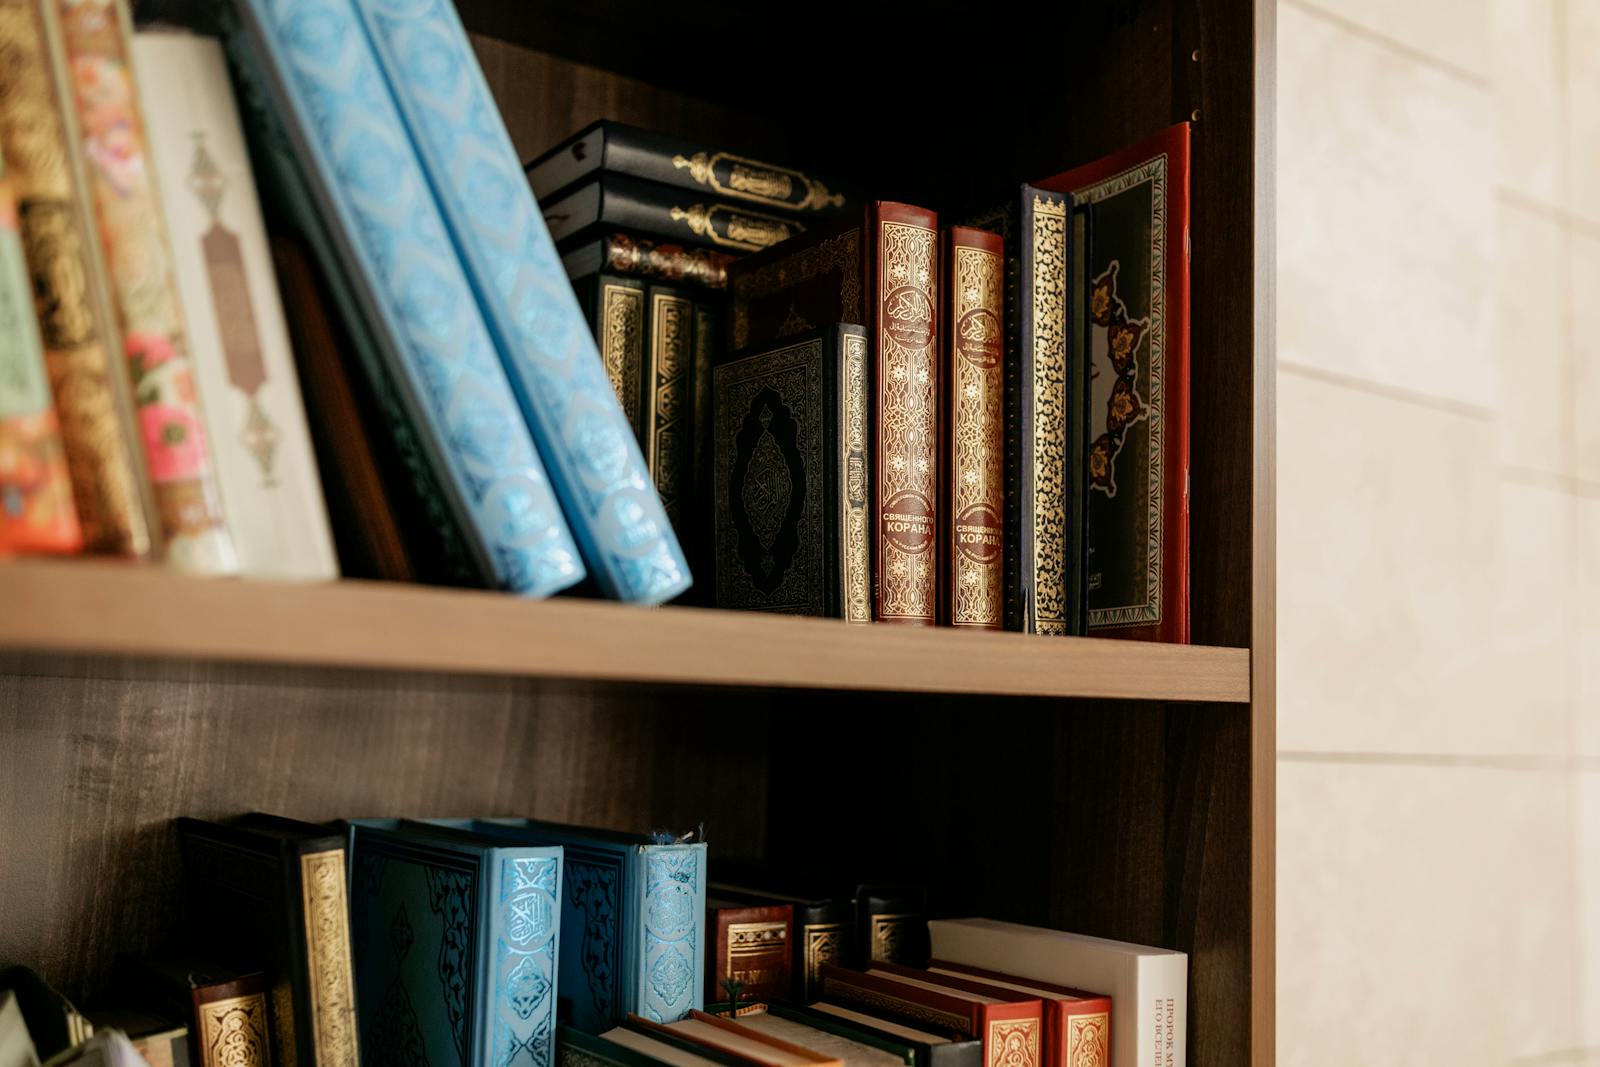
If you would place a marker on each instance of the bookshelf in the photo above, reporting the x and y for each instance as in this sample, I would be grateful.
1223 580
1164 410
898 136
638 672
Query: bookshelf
1117 789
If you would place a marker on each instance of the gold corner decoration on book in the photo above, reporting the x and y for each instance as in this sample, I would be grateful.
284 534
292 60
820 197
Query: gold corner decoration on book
76 322
1012 1043
234 1032
762 183
1088 1040
824 943
332 980
857 535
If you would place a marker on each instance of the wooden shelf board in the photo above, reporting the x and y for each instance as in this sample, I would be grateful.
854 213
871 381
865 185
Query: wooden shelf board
99 608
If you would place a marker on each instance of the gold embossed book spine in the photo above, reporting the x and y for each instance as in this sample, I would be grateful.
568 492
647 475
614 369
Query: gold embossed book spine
76 324
667 402
972 489
903 283
95 38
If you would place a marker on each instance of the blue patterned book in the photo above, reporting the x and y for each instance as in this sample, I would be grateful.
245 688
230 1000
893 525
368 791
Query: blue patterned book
527 301
366 205
635 917
455 941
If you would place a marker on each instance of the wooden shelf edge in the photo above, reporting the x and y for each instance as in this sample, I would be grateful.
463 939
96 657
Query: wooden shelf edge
98 608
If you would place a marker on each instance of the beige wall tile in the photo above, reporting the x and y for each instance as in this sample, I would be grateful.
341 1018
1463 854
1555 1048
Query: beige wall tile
1433 904
1384 200
1388 540
1453 32
1583 98
1587 627
1584 249
1535 656
1531 343
1528 65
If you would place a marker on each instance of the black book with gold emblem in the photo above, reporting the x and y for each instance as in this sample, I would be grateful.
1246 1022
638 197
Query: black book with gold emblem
792 479
615 202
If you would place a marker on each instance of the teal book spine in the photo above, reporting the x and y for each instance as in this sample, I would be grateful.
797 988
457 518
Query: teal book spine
539 330
313 64
455 946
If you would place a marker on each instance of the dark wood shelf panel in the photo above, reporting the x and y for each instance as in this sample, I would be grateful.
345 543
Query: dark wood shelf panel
96 608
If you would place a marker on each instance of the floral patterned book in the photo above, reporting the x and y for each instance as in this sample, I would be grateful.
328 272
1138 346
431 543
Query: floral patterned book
36 509
95 35
243 363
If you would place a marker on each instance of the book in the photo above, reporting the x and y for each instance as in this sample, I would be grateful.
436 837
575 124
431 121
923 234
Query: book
229 1013
456 940
752 945
821 1033
108 1048
972 432
891 924
615 308
1045 407
1148 986
271 893
1077 1024
1137 283
931 1047
792 474
238 338
824 922
635 1045
634 916
16 1045
36 509
701 520
346 434
666 406
53 1024
625 253
758 1046
622 149
76 324
877 268
337 163
160 1040
622 203
1010 1027
598 475
178 453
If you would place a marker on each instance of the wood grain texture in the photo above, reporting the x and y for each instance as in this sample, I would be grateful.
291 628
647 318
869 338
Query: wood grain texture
81 606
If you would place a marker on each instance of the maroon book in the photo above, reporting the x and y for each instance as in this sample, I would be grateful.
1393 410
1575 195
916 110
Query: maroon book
877 268
1135 283
754 946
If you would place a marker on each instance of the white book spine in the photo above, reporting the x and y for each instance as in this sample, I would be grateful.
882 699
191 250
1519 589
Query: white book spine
1148 987
249 391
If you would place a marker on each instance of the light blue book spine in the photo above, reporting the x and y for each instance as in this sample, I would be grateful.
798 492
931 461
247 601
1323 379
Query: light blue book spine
554 366
364 169
671 957
521 954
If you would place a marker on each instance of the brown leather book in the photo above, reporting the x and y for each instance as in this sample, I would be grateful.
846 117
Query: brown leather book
754 947
228 1012
972 478
878 268
359 505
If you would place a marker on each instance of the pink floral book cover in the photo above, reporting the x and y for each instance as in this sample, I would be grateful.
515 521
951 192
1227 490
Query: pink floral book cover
138 260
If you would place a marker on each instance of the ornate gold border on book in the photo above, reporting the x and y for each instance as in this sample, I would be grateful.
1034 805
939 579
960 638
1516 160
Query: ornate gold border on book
332 982
871 998
233 1032
841 253
856 556
622 344
976 474
1050 423
1012 1043
671 357
763 183
1088 1040
1154 172
824 943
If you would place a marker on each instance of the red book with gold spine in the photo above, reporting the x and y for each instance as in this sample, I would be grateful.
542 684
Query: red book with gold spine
138 261
753 945
1077 1024
1010 1025
878 268
972 476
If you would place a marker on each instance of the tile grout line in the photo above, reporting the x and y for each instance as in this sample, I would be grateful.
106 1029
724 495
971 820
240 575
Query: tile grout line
1388 392
1416 55
1506 762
